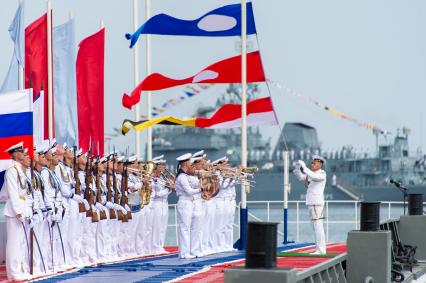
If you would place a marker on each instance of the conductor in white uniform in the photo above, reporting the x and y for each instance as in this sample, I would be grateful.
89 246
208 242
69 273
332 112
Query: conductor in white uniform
315 179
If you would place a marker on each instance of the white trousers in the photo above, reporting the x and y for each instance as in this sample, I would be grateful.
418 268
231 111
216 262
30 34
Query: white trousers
133 241
317 219
139 232
229 223
74 238
88 249
16 250
102 240
161 213
148 223
219 224
207 235
189 213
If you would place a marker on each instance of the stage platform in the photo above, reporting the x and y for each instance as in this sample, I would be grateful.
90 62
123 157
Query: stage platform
169 267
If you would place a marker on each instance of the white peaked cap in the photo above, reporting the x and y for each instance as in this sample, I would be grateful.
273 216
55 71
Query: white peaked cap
120 159
158 157
184 157
222 159
132 159
198 154
79 152
322 159
159 161
193 159
15 147
103 159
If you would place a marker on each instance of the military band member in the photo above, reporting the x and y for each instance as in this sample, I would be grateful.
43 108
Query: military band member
189 209
134 187
225 208
140 220
161 188
315 179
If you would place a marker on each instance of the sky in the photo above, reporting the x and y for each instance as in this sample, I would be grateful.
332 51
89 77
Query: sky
364 58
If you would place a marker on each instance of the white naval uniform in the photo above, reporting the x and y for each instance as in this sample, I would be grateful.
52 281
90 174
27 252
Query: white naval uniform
222 214
189 209
161 213
102 230
315 185
39 223
64 173
53 201
229 194
149 222
15 191
88 248
136 236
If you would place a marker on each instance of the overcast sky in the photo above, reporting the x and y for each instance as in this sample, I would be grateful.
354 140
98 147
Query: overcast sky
364 58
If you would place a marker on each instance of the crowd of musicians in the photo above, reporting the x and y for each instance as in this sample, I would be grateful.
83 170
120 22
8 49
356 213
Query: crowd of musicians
67 208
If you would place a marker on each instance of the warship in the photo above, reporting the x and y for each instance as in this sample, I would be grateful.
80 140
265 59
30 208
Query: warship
352 175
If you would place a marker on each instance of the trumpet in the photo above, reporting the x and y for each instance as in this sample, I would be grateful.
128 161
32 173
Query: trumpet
168 179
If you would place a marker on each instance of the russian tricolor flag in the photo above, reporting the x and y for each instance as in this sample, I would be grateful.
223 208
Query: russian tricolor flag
16 120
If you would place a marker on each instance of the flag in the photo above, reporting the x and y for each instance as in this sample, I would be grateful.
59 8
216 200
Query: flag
36 63
90 92
38 117
64 83
259 112
16 31
225 71
16 118
223 21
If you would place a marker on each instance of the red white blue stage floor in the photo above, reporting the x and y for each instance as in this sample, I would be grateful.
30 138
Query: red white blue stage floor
169 267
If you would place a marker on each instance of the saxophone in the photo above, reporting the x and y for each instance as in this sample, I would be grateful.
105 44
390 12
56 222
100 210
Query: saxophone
146 190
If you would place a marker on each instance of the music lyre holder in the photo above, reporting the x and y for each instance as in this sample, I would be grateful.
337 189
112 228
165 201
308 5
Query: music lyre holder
402 189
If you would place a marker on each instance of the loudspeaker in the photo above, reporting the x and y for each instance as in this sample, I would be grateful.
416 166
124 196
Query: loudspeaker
261 251
370 216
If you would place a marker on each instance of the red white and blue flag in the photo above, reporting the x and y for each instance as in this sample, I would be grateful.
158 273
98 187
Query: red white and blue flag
16 120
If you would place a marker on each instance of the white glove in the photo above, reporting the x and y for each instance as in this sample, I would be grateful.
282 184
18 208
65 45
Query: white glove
110 205
58 218
122 209
127 207
301 163
77 198
21 218
86 204
117 206
94 208
99 206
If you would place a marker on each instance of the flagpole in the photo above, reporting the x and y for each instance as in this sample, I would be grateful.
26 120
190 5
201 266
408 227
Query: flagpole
148 94
136 76
20 67
243 208
49 70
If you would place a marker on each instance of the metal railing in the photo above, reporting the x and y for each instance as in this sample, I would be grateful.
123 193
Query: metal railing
272 210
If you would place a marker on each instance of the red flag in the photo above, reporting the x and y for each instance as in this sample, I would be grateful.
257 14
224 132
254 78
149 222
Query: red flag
90 92
259 112
225 71
36 63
